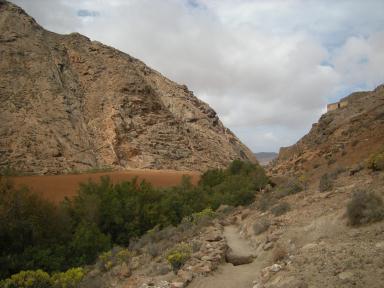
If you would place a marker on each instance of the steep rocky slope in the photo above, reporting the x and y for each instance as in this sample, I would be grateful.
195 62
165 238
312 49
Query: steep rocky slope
68 103
342 137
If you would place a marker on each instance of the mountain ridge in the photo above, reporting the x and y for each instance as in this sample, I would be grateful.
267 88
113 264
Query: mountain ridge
70 103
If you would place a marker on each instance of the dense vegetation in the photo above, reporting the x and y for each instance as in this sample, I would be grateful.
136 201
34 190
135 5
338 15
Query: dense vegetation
34 234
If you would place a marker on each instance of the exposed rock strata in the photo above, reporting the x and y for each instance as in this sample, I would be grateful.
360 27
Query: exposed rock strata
69 103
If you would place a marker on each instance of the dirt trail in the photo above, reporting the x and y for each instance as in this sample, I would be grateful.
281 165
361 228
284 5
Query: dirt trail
238 245
228 275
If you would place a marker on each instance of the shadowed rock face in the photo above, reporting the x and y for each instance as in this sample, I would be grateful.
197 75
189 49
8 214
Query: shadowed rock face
71 103
342 137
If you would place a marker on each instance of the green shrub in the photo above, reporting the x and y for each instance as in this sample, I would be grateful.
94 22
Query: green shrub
212 177
33 232
37 235
207 213
376 161
105 260
365 207
69 279
88 242
123 255
179 255
280 209
28 279
261 226
117 255
326 183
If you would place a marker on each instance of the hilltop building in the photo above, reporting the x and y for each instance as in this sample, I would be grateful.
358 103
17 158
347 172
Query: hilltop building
337 105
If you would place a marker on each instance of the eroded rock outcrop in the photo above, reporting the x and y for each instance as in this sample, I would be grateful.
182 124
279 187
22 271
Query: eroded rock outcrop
69 103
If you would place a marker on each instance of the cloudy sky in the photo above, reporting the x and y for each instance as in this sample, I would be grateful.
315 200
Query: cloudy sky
268 67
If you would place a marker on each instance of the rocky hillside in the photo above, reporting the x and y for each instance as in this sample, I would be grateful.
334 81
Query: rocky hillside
300 240
343 137
69 103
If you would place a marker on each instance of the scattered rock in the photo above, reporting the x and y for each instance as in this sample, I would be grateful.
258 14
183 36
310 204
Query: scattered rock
177 285
309 246
268 246
186 276
346 275
380 245
275 268
238 259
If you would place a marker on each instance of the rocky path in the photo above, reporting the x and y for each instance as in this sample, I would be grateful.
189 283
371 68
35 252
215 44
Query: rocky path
229 275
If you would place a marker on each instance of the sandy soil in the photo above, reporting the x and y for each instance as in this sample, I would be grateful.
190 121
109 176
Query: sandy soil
56 187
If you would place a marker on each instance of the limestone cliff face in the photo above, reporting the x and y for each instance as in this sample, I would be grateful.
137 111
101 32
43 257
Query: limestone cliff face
345 136
71 103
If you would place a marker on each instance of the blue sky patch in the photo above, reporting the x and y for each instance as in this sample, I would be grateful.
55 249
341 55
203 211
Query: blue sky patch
87 13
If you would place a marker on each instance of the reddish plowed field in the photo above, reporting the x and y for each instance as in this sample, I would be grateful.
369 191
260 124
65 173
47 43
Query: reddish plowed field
56 187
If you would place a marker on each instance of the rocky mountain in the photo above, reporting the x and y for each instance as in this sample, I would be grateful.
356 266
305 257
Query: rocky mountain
69 103
344 136
265 158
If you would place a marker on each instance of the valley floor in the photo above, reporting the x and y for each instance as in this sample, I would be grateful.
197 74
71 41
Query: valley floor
56 187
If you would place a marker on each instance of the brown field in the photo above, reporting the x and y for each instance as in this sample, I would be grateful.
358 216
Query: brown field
55 187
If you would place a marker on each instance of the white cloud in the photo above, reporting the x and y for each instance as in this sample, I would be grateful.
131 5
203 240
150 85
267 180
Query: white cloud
267 67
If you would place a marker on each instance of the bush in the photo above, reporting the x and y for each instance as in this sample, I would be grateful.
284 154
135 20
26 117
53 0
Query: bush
280 209
88 242
41 279
37 235
365 207
376 161
265 202
117 255
28 279
69 279
33 232
203 215
179 255
261 226
105 261
292 186
279 253
326 183
123 255
153 249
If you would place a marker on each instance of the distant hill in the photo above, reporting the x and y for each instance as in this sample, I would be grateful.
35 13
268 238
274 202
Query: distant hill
265 158
68 103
